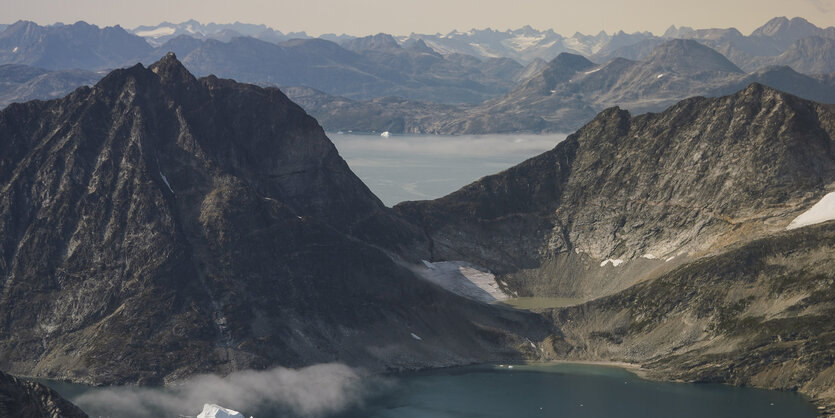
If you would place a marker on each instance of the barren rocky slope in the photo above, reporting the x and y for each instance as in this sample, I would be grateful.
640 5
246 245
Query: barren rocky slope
704 174
672 225
760 314
157 225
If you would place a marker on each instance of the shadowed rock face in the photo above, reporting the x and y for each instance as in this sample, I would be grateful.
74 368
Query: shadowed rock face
157 225
22 399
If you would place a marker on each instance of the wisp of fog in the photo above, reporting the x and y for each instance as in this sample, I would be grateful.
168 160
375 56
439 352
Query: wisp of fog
307 392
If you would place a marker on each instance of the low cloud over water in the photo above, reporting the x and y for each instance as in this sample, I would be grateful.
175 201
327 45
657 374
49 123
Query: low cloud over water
308 392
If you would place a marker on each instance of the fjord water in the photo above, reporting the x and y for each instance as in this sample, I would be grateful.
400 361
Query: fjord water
419 167
546 390
570 390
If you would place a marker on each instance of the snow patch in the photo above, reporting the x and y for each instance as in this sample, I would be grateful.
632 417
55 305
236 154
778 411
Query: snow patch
483 51
385 134
157 32
822 211
165 180
415 336
670 259
659 76
15 49
593 71
649 256
463 279
215 411
615 262
522 42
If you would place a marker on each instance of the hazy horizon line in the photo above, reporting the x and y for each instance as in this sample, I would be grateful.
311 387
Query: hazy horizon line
455 30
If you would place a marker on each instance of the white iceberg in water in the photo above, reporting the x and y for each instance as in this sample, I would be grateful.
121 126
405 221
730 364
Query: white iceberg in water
215 411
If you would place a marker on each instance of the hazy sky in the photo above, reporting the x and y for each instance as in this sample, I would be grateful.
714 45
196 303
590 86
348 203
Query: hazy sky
363 17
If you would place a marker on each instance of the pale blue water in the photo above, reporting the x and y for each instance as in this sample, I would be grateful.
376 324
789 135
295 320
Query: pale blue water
418 167
557 390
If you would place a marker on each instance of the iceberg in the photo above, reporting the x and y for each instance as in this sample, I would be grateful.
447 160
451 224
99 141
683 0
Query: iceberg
215 411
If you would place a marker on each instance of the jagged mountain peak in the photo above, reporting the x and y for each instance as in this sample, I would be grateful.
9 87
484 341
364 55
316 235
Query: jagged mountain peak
374 42
171 71
784 27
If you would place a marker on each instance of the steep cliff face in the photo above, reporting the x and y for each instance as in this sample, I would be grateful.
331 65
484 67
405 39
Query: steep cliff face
645 192
157 225
22 399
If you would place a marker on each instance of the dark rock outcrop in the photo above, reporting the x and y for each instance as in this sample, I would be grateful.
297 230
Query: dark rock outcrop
157 225
23 399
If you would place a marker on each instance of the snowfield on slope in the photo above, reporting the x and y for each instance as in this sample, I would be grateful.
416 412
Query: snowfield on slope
822 211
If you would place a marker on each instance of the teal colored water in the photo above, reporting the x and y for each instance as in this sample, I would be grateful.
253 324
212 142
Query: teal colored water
557 390
569 390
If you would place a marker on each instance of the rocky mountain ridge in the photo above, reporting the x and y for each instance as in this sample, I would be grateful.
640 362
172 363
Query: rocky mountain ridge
155 226
672 226
702 175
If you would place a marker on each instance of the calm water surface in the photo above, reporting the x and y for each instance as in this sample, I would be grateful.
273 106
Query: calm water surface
418 167
555 390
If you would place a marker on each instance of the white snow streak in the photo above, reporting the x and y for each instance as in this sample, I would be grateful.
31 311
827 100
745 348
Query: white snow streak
165 180
615 262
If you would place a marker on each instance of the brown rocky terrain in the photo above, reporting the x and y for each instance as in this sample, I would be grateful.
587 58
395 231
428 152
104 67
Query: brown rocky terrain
673 227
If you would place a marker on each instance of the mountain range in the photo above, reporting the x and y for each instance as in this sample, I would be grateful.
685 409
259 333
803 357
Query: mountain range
20 83
382 83
567 92
156 225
